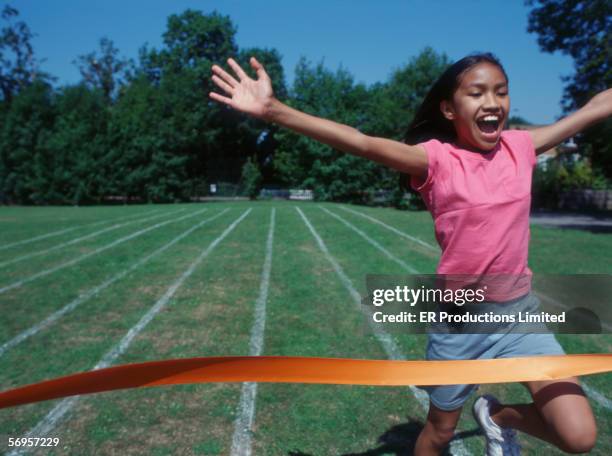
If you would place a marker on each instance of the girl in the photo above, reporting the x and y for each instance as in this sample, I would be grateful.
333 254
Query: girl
475 179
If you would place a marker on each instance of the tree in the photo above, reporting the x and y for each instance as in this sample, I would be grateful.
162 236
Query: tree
195 41
384 109
105 71
394 103
147 148
583 30
23 133
181 72
300 161
518 120
74 148
251 178
18 66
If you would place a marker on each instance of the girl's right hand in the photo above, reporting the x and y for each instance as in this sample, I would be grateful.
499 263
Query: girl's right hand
250 96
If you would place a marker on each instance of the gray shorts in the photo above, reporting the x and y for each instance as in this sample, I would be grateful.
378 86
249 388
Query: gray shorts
482 346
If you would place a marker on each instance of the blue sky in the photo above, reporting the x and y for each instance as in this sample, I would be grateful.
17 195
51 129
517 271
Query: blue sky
368 38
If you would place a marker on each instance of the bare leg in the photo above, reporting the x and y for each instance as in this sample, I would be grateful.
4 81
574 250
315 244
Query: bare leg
438 431
560 414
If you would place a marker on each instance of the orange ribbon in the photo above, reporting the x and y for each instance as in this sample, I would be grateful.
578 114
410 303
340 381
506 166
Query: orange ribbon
281 369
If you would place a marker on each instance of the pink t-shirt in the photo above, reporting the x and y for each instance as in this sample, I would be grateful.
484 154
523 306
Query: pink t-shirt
480 205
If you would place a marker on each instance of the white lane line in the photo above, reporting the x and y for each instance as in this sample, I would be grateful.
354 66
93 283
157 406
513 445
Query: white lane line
47 424
67 230
395 230
51 319
82 238
241 441
388 343
555 303
598 398
376 244
596 395
87 255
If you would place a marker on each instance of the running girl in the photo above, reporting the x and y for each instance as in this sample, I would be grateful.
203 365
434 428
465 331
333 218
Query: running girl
475 179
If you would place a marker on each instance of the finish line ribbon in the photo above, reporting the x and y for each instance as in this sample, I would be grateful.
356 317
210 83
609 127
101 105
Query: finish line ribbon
287 369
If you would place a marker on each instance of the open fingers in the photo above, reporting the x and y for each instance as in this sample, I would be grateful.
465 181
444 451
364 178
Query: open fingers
258 67
224 85
237 69
220 98
228 78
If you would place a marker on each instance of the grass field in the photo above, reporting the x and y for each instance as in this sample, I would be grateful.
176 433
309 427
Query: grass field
71 296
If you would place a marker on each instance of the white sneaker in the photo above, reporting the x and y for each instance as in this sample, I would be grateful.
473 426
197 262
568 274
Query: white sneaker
500 441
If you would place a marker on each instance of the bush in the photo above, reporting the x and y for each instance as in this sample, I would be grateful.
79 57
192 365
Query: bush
558 176
251 178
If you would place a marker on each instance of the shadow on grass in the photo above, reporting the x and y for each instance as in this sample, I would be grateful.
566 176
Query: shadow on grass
398 440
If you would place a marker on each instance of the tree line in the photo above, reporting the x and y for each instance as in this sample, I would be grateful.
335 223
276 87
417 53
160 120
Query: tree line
147 131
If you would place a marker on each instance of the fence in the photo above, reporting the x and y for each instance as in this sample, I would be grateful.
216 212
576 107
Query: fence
583 199
291 194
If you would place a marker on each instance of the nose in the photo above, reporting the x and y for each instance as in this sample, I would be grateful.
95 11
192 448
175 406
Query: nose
491 102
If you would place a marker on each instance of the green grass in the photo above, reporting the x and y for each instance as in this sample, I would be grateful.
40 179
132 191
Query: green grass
309 313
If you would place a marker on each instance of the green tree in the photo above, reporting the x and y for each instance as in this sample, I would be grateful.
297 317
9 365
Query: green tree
18 66
384 109
518 120
145 158
251 178
27 122
105 71
74 148
394 103
179 75
300 161
583 30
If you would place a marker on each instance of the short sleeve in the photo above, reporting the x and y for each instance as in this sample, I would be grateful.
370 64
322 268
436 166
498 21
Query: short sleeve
432 149
531 148
523 139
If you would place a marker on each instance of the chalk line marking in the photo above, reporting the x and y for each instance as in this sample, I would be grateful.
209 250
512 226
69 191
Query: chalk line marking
67 230
376 244
82 238
556 303
48 423
55 316
388 343
241 441
87 255
395 230
599 397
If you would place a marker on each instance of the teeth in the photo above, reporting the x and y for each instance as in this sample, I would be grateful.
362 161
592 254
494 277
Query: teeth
491 118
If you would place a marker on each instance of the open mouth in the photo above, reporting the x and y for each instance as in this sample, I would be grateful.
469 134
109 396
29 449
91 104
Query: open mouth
488 124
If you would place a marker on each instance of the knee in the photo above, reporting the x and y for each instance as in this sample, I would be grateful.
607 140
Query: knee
441 434
581 439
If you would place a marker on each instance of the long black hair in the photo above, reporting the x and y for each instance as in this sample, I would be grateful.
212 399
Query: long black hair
429 122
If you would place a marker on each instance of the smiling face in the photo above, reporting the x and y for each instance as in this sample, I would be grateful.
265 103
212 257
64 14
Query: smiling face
479 107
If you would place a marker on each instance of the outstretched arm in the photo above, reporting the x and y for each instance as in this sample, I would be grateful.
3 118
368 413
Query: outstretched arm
256 98
596 110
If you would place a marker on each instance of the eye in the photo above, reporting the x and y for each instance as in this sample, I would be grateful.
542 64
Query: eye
474 94
502 94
